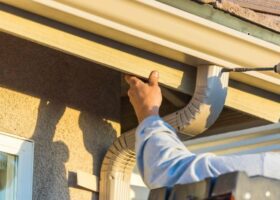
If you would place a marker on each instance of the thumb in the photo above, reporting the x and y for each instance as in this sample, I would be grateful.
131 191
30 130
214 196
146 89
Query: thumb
153 78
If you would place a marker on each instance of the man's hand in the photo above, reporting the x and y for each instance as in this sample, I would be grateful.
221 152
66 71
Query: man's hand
145 97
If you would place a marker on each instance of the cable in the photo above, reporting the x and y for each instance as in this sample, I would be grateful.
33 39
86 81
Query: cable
276 69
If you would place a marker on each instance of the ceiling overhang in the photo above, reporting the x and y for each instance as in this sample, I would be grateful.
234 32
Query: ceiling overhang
175 75
167 31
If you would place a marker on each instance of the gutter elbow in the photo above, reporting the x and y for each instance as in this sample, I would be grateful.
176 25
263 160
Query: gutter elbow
206 104
200 113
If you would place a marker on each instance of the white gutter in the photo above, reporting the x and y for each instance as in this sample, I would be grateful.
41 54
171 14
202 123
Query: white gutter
174 75
167 31
206 104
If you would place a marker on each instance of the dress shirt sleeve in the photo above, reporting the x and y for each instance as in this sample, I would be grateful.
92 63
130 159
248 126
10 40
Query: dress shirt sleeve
163 160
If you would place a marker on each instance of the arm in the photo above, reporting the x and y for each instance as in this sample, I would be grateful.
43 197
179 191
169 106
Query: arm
162 158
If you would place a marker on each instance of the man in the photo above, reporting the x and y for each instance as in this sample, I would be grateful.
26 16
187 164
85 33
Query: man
163 160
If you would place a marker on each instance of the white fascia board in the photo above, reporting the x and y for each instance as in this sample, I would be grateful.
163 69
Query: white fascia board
166 31
252 140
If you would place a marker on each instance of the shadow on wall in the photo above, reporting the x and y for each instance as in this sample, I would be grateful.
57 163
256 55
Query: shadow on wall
95 139
49 156
61 81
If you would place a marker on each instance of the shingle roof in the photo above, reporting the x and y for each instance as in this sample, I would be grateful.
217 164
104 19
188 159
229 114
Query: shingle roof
263 14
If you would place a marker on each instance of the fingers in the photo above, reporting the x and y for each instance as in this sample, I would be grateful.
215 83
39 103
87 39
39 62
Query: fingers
153 78
132 80
127 77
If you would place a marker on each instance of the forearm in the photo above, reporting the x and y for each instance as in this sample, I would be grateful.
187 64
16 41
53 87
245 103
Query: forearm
160 153
163 160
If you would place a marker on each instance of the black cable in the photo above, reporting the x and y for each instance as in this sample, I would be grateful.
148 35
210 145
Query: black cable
276 69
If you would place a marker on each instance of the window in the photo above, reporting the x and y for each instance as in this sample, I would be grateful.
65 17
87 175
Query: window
16 168
8 173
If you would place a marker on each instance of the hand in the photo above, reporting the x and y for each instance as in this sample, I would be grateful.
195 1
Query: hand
145 98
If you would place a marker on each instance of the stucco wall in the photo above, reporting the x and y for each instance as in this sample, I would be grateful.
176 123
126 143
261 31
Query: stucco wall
68 106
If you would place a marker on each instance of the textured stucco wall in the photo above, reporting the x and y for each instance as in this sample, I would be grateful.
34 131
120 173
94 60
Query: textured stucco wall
68 106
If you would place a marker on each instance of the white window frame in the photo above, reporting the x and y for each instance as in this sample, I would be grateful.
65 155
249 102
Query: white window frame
24 150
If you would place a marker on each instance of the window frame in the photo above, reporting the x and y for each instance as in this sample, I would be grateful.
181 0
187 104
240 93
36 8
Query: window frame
24 150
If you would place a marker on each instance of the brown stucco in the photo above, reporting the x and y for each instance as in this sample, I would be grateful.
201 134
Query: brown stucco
68 106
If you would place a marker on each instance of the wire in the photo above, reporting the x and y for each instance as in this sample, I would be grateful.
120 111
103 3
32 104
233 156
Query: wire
276 69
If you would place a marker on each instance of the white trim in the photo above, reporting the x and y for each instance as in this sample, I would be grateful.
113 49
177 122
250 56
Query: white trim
252 140
87 181
24 150
234 134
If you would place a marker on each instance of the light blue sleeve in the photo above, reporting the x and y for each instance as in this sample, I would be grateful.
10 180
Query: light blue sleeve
163 160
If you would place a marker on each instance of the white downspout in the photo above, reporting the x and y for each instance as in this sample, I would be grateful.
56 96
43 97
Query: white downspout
200 113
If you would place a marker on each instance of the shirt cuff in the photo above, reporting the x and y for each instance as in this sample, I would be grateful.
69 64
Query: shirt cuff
154 121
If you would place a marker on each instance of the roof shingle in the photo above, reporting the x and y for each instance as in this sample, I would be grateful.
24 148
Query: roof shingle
231 6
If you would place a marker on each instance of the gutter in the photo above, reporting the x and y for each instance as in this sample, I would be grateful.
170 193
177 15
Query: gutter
198 115
196 41
174 75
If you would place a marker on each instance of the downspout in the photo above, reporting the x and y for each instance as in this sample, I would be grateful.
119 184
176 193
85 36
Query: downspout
199 114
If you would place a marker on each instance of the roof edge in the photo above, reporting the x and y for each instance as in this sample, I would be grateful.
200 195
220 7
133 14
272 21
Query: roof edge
196 41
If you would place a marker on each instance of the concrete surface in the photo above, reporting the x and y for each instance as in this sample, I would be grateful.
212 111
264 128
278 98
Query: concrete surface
68 106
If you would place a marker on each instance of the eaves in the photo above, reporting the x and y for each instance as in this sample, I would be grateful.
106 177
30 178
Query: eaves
167 31
175 75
